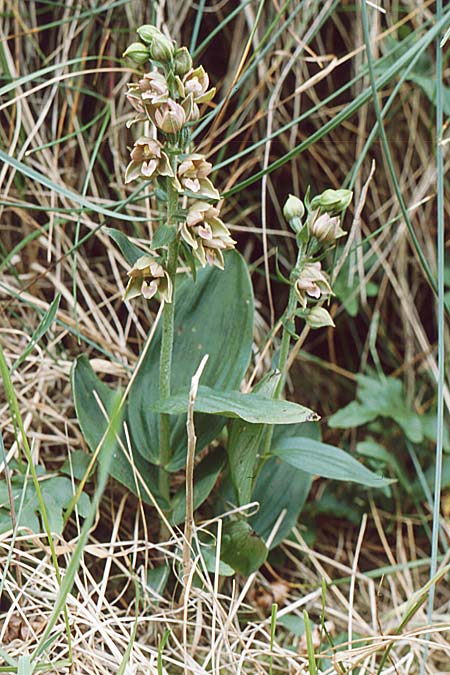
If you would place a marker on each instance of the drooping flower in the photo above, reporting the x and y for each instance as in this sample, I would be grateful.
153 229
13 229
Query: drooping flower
147 160
206 234
312 281
327 228
170 117
147 277
192 174
196 83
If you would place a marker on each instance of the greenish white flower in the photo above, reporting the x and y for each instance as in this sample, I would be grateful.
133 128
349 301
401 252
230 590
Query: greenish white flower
148 277
206 234
148 160
170 117
312 282
192 174
326 228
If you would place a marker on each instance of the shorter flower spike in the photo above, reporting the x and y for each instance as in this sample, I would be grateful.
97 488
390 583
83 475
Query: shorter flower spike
147 277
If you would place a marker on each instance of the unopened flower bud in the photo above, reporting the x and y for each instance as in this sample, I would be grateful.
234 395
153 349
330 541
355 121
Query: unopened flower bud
294 211
147 33
332 201
161 48
318 317
137 52
326 228
182 61
170 117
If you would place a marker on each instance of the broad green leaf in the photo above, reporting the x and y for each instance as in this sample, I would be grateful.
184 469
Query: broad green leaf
213 315
57 493
130 251
209 558
281 487
379 398
163 236
370 448
325 460
93 425
352 415
40 331
157 579
252 408
242 549
244 443
205 477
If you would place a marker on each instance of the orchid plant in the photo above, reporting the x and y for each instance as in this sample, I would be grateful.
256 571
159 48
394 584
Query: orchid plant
265 448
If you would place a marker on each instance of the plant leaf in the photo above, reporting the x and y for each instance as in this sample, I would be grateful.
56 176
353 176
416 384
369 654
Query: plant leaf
244 442
242 549
279 486
214 316
251 407
93 425
326 460
130 251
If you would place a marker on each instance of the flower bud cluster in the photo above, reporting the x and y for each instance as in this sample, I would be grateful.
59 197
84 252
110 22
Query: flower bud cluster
168 98
320 230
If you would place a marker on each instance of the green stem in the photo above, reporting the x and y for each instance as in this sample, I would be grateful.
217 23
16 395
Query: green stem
165 360
284 349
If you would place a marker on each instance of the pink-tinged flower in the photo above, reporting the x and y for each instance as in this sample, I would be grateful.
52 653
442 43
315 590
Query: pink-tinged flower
196 83
206 234
192 174
147 277
170 117
154 88
313 282
147 160
327 228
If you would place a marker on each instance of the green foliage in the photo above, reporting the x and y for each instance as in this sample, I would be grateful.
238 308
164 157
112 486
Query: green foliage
252 408
379 398
214 315
325 460
242 548
57 493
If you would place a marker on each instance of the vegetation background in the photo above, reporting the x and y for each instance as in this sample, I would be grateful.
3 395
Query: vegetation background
303 85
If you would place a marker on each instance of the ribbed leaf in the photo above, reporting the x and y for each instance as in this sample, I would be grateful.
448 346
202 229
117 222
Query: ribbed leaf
93 425
326 460
213 315
252 408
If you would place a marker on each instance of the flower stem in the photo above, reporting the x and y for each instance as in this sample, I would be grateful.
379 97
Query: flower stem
165 359
289 315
